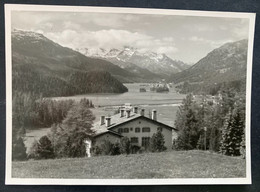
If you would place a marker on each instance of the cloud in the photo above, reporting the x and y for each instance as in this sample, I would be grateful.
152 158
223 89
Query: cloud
197 39
212 43
59 21
112 39
241 33
112 20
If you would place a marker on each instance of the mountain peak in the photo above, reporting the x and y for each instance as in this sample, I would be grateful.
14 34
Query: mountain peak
149 60
17 33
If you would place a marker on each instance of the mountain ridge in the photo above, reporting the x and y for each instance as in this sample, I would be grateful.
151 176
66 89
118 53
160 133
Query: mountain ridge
43 66
226 63
156 63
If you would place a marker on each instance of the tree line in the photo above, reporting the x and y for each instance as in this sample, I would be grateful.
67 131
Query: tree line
48 84
215 123
211 88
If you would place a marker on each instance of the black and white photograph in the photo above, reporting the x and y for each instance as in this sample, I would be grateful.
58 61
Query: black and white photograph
127 96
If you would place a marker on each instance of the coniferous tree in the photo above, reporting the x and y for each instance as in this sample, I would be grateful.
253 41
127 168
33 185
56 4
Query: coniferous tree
236 134
225 136
69 136
42 149
45 148
243 147
232 134
157 142
187 124
200 144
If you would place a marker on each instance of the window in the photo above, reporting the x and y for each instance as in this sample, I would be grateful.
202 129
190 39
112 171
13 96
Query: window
120 130
131 129
146 129
159 129
126 130
134 139
145 141
137 129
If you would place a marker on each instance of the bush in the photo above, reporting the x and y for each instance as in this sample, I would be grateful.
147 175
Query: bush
125 146
115 149
18 150
135 149
96 150
106 148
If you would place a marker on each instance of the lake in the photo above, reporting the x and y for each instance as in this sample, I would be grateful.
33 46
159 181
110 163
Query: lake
165 103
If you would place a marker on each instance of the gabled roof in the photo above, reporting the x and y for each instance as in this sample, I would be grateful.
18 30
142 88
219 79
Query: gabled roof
109 132
117 120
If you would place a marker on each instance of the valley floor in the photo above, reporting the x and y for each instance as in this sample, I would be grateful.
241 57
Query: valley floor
172 164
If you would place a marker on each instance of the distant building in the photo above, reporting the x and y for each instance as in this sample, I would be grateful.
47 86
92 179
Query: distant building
134 125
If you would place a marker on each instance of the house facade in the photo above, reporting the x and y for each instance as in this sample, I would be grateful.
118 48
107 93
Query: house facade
132 123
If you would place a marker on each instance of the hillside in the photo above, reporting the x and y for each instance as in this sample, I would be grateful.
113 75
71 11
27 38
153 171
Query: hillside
133 60
225 64
172 164
43 66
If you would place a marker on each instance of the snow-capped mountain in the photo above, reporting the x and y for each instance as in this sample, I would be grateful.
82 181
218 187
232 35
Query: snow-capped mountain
154 62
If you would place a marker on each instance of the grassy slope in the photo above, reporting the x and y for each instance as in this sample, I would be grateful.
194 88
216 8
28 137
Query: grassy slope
173 164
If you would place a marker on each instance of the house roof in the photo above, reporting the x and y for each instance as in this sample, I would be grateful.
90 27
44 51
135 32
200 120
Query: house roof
117 120
108 132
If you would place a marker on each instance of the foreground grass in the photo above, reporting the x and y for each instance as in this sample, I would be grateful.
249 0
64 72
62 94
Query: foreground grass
173 164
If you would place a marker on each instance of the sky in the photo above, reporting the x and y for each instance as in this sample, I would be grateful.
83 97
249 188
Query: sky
185 38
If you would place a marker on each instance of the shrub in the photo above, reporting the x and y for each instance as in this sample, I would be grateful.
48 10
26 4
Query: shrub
96 150
115 149
106 148
135 149
18 150
125 145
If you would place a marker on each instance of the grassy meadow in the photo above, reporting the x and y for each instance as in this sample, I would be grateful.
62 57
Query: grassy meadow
171 164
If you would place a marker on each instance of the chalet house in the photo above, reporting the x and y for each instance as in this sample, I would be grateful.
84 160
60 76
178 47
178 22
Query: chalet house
134 125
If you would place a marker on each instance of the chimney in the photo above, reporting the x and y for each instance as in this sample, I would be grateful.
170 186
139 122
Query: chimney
108 121
122 111
128 113
102 120
154 115
142 112
135 109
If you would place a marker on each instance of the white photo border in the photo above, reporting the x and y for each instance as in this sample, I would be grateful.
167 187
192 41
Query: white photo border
174 181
